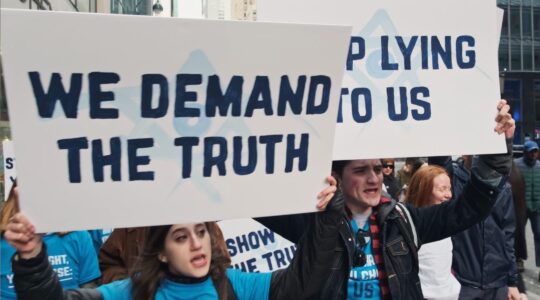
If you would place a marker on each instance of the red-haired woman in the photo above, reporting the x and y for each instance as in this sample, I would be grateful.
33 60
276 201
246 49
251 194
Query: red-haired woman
430 185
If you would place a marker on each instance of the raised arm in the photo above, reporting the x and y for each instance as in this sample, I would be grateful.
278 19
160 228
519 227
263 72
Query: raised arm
489 173
34 278
313 261
292 227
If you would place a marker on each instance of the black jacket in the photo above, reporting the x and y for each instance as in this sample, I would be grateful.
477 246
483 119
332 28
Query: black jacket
398 249
35 279
392 186
483 255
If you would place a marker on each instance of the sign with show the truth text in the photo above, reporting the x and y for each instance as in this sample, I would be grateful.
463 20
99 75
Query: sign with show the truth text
255 248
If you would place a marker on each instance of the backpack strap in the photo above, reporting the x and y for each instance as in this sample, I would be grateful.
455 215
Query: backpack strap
384 210
404 221
231 295
404 212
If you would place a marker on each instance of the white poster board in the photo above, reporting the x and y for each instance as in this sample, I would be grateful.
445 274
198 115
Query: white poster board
10 173
255 248
421 76
109 132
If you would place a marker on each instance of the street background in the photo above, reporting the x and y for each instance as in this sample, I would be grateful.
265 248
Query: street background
530 276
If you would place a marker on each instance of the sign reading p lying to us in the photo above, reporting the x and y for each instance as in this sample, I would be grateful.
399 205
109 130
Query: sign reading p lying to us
418 74
129 121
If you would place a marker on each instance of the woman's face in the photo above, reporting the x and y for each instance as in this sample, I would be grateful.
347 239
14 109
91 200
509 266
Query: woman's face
188 250
442 189
388 168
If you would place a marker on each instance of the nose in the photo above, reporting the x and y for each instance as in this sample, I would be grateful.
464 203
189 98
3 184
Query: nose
195 242
448 195
372 177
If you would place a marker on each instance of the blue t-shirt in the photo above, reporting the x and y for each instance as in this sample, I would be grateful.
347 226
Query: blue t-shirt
72 257
247 286
364 281
99 236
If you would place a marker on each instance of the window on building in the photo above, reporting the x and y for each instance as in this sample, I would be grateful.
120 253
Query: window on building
527 55
514 23
504 42
512 93
526 21
536 97
536 33
131 7
526 27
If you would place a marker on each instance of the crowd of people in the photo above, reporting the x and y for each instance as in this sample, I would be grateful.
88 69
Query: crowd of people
437 229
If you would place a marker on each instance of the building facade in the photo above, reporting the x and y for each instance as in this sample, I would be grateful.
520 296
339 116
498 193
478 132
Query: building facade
519 64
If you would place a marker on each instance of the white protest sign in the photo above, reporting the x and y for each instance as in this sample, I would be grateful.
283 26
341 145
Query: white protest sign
10 173
421 76
255 248
123 121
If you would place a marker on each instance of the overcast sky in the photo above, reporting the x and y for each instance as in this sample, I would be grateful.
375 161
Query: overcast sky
190 8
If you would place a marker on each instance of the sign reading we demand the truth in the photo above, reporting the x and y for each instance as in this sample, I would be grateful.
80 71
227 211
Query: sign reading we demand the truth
421 77
123 121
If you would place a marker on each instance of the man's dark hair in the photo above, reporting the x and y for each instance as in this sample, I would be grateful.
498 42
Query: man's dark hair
339 165
411 160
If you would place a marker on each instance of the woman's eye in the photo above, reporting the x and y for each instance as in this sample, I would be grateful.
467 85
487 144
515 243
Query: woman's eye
180 238
201 232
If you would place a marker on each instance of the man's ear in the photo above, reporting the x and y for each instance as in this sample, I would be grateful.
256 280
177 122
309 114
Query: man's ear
162 258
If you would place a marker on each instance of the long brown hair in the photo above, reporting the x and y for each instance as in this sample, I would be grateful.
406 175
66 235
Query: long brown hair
421 185
9 209
150 271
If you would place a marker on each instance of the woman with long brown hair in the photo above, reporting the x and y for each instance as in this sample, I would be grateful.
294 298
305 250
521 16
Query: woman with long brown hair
149 272
430 185
189 261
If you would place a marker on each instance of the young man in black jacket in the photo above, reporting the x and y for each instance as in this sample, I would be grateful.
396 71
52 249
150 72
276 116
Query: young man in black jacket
382 237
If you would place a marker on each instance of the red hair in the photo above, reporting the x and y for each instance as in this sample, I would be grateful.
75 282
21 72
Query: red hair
421 185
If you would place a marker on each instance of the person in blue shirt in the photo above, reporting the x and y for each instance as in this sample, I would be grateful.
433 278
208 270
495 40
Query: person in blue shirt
99 236
189 261
70 254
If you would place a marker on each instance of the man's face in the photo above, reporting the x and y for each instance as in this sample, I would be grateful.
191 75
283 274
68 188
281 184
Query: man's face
361 181
532 155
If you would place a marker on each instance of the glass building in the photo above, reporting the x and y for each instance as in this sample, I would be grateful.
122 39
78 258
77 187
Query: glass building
519 64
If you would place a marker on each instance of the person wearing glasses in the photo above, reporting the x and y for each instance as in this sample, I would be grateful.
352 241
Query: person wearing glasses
381 237
430 185
391 183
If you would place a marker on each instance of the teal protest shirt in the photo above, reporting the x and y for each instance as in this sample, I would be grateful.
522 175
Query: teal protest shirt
247 286
364 280
71 256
